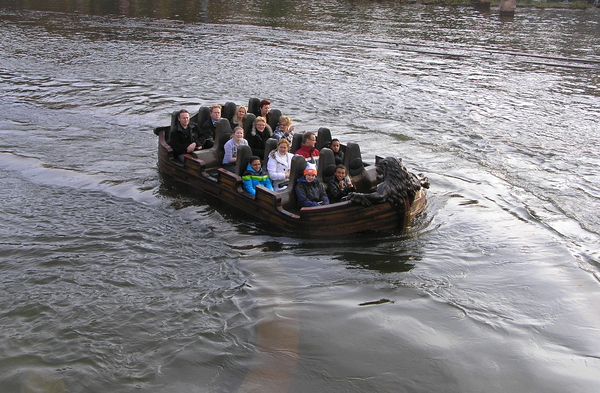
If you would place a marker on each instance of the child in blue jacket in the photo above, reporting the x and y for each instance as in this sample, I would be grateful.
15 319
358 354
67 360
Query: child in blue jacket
254 176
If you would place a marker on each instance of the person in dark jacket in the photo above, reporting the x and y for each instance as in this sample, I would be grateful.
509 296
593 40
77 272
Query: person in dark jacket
185 138
309 190
209 128
258 136
255 176
339 186
338 154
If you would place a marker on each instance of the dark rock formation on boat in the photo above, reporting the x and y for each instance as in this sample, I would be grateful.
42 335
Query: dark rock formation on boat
397 184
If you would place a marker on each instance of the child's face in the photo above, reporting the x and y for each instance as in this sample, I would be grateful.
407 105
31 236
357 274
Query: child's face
310 177
335 146
340 174
255 165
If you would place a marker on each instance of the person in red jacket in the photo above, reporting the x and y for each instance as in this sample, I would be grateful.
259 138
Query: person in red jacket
308 149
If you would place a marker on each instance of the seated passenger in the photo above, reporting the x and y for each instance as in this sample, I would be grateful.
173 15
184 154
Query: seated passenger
186 136
337 152
309 190
264 107
307 149
209 127
259 135
285 129
255 176
279 164
238 117
339 186
231 146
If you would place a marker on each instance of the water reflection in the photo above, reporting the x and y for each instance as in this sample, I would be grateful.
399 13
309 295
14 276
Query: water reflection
382 263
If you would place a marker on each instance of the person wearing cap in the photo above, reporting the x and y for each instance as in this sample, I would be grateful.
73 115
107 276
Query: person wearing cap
309 190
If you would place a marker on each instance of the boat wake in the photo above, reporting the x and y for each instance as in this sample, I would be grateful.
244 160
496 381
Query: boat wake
31 169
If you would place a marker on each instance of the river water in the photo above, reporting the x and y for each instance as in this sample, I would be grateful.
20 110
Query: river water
114 279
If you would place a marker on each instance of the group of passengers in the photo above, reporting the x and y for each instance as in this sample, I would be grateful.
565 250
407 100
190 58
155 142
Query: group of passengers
188 137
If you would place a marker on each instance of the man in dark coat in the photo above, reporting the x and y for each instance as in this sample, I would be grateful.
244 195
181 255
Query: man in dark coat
209 128
185 138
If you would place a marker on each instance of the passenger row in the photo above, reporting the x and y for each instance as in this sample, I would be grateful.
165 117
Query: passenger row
266 146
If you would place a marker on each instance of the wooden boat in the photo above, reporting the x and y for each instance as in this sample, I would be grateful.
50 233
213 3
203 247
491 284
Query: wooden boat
202 170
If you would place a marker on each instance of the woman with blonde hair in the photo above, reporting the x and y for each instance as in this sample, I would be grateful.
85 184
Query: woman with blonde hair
285 129
238 117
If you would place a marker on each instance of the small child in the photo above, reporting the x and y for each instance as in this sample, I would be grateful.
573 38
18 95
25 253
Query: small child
309 190
254 176
337 153
339 186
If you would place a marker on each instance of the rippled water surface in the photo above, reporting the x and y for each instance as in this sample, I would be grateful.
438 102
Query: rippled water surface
116 279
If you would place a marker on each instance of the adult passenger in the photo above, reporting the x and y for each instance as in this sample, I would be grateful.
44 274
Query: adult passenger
231 147
309 190
185 138
279 164
285 129
307 149
259 135
263 108
209 127
238 117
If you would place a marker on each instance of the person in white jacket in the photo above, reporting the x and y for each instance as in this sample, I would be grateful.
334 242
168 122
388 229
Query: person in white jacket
279 164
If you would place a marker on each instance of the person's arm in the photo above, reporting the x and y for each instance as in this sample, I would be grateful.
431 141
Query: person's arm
248 185
177 143
323 194
302 199
272 169
228 156
267 183
203 133
333 190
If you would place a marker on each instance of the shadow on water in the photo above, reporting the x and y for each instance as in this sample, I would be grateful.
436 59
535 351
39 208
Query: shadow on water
382 263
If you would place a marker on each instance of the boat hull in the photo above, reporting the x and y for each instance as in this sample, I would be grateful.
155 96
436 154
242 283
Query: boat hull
276 209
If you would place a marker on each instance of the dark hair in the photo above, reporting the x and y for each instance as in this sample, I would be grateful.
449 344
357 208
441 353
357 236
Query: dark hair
252 159
307 136
263 103
182 111
334 140
341 166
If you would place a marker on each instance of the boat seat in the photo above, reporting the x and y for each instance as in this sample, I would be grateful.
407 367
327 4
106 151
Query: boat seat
289 201
296 142
363 180
228 110
223 139
174 121
253 105
323 138
326 169
202 116
353 159
273 118
248 122
244 153
270 145
213 157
